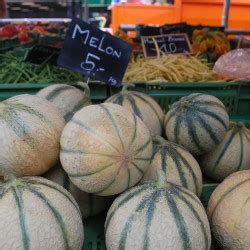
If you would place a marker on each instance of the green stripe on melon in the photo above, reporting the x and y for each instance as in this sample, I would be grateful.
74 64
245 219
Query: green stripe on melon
231 155
146 214
89 204
179 166
60 190
37 214
198 122
58 217
143 106
19 201
54 91
67 98
30 142
105 149
228 211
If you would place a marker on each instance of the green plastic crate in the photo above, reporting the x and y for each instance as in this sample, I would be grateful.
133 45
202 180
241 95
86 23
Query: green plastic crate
94 238
50 39
14 43
207 191
235 96
98 90
98 2
6 43
244 100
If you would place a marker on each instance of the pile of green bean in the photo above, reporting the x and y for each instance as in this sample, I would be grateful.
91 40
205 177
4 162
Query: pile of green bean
14 70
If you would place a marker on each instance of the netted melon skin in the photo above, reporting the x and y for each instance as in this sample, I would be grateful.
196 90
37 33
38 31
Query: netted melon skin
105 149
148 217
36 213
229 211
198 122
30 128
142 105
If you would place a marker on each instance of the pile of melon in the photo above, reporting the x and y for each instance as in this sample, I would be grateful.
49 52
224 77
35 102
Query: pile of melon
63 160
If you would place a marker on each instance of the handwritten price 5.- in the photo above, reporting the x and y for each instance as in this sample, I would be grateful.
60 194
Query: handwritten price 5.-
89 63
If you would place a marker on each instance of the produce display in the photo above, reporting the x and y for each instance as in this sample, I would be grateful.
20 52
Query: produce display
14 69
198 122
231 155
179 166
105 149
36 213
12 30
89 204
146 214
214 42
229 211
22 34
67 98
156 151
29 142
235 65
124 36
143 106
22 30
170 68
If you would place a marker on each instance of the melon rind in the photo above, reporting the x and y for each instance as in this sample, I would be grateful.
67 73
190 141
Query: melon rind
36 213
89 204
67 98
105 149
143 106
30 135
198 122
229 211
151 217
231 155
179 166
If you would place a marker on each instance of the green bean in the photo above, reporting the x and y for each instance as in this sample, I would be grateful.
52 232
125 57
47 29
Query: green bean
15 70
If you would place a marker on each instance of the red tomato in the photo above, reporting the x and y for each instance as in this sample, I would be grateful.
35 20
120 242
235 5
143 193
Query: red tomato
23 37
23 27
10 30
5 33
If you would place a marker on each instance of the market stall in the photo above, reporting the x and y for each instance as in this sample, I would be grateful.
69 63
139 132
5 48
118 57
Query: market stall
160 161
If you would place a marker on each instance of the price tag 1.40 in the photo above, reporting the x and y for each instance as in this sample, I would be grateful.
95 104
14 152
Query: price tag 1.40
167 44
95 53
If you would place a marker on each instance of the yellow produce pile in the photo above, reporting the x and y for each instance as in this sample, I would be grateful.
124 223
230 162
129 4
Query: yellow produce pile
169 68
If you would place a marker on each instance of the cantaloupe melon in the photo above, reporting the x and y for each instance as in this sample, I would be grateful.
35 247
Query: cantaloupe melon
179 166
231 155
67 98
158 215
30 135
89 204
36 213
198 122
105 149
229 211
143 106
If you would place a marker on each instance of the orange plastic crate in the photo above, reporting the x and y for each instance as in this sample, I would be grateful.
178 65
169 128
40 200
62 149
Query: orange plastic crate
205 12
